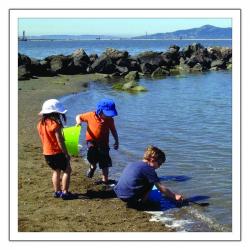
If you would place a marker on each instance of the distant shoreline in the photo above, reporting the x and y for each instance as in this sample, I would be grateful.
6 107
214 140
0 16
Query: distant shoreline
116 39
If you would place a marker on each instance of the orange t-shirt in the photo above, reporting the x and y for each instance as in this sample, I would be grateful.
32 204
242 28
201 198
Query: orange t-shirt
47 135
97 128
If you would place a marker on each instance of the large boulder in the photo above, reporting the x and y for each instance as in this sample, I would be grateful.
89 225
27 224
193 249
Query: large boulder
104 65
79 62
197 68
151 57
190 49
159 72
133 86
129 85
218 64
24 72
147 68
123 62
40 68
92 58
59 64
132 75
23 60
122 70
115 54
217 53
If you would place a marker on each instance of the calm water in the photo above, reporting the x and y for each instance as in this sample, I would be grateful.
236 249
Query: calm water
42 49
189 117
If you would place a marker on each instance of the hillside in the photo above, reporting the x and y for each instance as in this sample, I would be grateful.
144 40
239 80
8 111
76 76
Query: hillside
204 32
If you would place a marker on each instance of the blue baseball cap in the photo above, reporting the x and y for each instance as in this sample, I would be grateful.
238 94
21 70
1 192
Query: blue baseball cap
107 106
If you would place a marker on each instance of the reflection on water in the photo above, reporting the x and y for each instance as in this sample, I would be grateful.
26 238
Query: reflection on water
188 117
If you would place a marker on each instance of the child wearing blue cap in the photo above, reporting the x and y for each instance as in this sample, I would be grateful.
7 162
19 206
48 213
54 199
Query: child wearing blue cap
99 123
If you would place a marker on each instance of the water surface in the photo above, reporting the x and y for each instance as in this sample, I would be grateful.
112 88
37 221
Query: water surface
190 118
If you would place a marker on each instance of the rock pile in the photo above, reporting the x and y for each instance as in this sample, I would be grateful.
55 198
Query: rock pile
117 63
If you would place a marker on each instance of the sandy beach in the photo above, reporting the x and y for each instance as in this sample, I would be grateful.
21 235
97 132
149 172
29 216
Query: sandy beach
38 211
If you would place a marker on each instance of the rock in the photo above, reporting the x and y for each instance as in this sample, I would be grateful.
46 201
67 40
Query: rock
220 64
151 57
58 64
23 60
229 66
160 72
79 62
139 88
115 54
132 75
92 58
40 68
129 85
147 68
190 49
80 56
23 72
200 58
122 70
174 49
226 54
123 62
197 67
103 65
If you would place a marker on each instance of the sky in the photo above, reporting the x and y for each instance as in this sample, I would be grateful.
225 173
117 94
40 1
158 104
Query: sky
123 27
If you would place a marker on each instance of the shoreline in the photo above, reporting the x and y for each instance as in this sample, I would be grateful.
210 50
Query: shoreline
38 211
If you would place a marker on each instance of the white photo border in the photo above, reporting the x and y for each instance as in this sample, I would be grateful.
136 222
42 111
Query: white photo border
234 14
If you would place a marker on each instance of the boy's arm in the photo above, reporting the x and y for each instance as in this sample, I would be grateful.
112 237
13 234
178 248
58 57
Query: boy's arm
78 120
168 193
115 135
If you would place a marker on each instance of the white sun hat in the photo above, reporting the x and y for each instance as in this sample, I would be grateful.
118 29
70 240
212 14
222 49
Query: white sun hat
52 106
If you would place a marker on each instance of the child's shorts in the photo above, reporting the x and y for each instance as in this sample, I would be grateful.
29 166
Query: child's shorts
99 155
57 161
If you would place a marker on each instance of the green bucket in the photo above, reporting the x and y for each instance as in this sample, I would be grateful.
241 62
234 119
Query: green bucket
71 139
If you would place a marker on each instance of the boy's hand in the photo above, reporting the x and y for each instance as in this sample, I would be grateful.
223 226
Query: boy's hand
116 145
178 197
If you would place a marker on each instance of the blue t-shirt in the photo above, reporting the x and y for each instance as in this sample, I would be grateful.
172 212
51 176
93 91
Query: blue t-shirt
136 178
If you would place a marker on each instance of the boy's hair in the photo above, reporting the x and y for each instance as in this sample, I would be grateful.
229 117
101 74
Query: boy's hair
54 116
155 153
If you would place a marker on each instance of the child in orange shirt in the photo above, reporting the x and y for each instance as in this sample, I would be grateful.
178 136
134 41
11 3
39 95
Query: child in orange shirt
54 150
99 123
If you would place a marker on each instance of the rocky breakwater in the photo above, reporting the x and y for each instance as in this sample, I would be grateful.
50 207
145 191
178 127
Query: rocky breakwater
119 64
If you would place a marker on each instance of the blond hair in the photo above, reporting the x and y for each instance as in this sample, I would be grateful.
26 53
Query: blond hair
155 153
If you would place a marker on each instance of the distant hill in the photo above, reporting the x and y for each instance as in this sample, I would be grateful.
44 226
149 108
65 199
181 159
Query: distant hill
71 37
204 32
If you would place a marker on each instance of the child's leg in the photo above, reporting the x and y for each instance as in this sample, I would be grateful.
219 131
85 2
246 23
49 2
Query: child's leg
92 157
56 180
105 163
105 174
66 179
146 193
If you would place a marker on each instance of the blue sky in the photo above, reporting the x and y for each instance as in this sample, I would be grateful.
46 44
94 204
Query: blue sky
123 27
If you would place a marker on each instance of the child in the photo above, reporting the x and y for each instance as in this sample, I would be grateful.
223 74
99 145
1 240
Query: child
138 178
50 131
99 123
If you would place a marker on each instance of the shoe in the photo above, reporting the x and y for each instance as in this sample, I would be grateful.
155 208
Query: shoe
90 172
57 194
68 196
109 182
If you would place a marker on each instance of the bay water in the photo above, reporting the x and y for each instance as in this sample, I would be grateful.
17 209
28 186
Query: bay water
189 118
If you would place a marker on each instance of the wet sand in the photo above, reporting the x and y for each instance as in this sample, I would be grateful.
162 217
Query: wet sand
38 211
